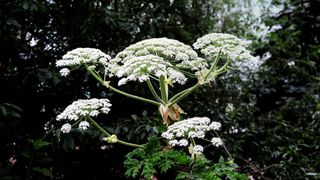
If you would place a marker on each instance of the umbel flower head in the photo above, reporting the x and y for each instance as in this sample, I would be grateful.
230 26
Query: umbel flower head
231 47
85 107
78 56
156 57
195 127
66 128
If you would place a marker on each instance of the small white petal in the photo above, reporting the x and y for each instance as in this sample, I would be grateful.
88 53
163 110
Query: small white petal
84 125
216 141
66 128
64 72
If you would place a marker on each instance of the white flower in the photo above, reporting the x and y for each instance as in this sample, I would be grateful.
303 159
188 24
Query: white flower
94 113
167 135
192 127
157 57
64 72
183 142
83 55
230 46
244 69
216 141
173 142
291 63
191 134
81 108
66 128
84 125
229 108
195 127
197 149
215 126
198 134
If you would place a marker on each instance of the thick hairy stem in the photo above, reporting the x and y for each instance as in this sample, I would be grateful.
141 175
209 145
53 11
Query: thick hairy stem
163 89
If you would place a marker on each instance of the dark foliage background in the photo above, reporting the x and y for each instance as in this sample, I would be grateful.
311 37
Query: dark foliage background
278 109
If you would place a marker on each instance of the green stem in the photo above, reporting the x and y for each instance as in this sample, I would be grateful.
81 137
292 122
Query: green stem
222 69
153 77
179 94
130 144
132 96
186 92
119 91
190 90
223 145
163 89
95 124
213 66
154 93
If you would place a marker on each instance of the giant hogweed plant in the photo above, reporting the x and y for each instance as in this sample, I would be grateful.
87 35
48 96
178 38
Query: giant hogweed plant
162 64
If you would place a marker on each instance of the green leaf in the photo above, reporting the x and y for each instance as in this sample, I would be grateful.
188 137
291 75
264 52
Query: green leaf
38 144
133 167
148 170
43 171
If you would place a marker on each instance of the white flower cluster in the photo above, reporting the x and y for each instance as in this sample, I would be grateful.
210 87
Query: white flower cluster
85 107
64 72
197 149
66 128
82 108
216 141
231 47
158 56
82 55
195 127
84 125
244 69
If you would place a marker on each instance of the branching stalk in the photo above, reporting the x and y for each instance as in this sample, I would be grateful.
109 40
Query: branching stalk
95 124
213 66
183 95
119 91
154 93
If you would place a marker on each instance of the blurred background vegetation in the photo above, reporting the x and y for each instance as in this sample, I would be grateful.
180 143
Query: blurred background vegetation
270 118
